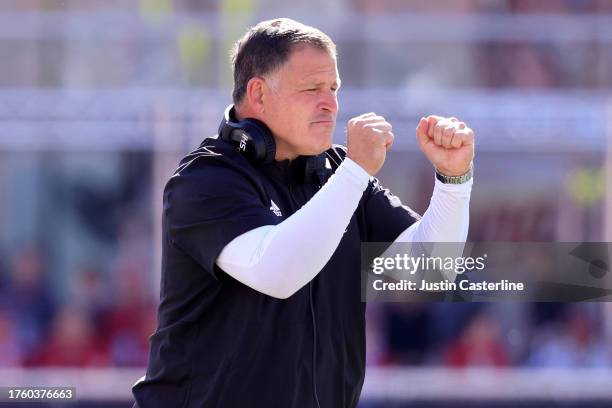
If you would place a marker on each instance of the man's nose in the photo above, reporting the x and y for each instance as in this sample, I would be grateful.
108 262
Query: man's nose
329 101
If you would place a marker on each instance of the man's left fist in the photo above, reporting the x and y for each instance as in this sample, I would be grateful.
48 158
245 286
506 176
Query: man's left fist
448 143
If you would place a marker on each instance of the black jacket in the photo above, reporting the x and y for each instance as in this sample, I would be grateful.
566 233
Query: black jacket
222 344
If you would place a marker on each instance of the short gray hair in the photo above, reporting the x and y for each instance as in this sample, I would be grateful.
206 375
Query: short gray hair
267 46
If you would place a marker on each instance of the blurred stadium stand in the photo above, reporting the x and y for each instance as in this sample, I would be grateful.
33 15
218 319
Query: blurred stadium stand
99 99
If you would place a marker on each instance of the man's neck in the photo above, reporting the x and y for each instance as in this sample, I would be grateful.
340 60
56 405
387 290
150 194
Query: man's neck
283 152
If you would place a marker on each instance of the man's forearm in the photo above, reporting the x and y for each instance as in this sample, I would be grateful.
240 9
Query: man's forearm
447 217
280 259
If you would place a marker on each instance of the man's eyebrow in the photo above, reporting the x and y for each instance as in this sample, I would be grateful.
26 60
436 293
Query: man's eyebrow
317 82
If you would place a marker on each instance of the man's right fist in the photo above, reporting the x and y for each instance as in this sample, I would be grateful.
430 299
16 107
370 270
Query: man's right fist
368 137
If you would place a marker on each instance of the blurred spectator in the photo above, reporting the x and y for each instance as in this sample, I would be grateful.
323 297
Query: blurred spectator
90 293
408 333
126 327
71 342
544 314
575 341
11 350
29 299
479 345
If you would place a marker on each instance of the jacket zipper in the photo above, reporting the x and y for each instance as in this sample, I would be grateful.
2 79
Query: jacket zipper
314 348
314 321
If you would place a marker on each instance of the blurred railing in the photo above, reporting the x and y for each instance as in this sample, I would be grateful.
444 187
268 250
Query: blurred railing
126 119
391 385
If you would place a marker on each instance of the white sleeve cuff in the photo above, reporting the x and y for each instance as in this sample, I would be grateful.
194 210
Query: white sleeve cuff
465 188
447 217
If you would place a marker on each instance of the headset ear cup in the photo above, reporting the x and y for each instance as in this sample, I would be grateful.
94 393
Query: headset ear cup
251 136
261 141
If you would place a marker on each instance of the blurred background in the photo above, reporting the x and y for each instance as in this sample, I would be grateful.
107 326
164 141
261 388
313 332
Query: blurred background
99 99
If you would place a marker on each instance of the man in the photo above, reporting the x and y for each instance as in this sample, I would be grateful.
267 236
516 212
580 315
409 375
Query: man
260 295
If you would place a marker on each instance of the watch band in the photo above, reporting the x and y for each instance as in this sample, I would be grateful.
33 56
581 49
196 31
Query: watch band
456 179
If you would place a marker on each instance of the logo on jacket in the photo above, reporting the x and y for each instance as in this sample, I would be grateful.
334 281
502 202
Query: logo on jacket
274 208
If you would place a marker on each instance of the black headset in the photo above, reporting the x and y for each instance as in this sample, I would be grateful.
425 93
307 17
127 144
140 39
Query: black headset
255 141
250 136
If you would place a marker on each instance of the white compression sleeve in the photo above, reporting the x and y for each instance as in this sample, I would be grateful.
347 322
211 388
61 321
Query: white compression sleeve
447 218
271 260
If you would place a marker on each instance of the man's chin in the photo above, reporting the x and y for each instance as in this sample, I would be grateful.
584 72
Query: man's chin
321 144
324 146
317 151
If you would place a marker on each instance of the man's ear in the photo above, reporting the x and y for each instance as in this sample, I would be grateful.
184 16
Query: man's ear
255 93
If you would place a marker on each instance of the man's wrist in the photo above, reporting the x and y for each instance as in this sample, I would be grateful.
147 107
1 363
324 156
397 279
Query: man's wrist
461 179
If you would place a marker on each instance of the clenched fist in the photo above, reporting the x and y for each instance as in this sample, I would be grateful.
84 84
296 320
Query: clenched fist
448 144
368 138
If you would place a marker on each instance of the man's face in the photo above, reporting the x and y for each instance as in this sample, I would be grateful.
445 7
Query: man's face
302 105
